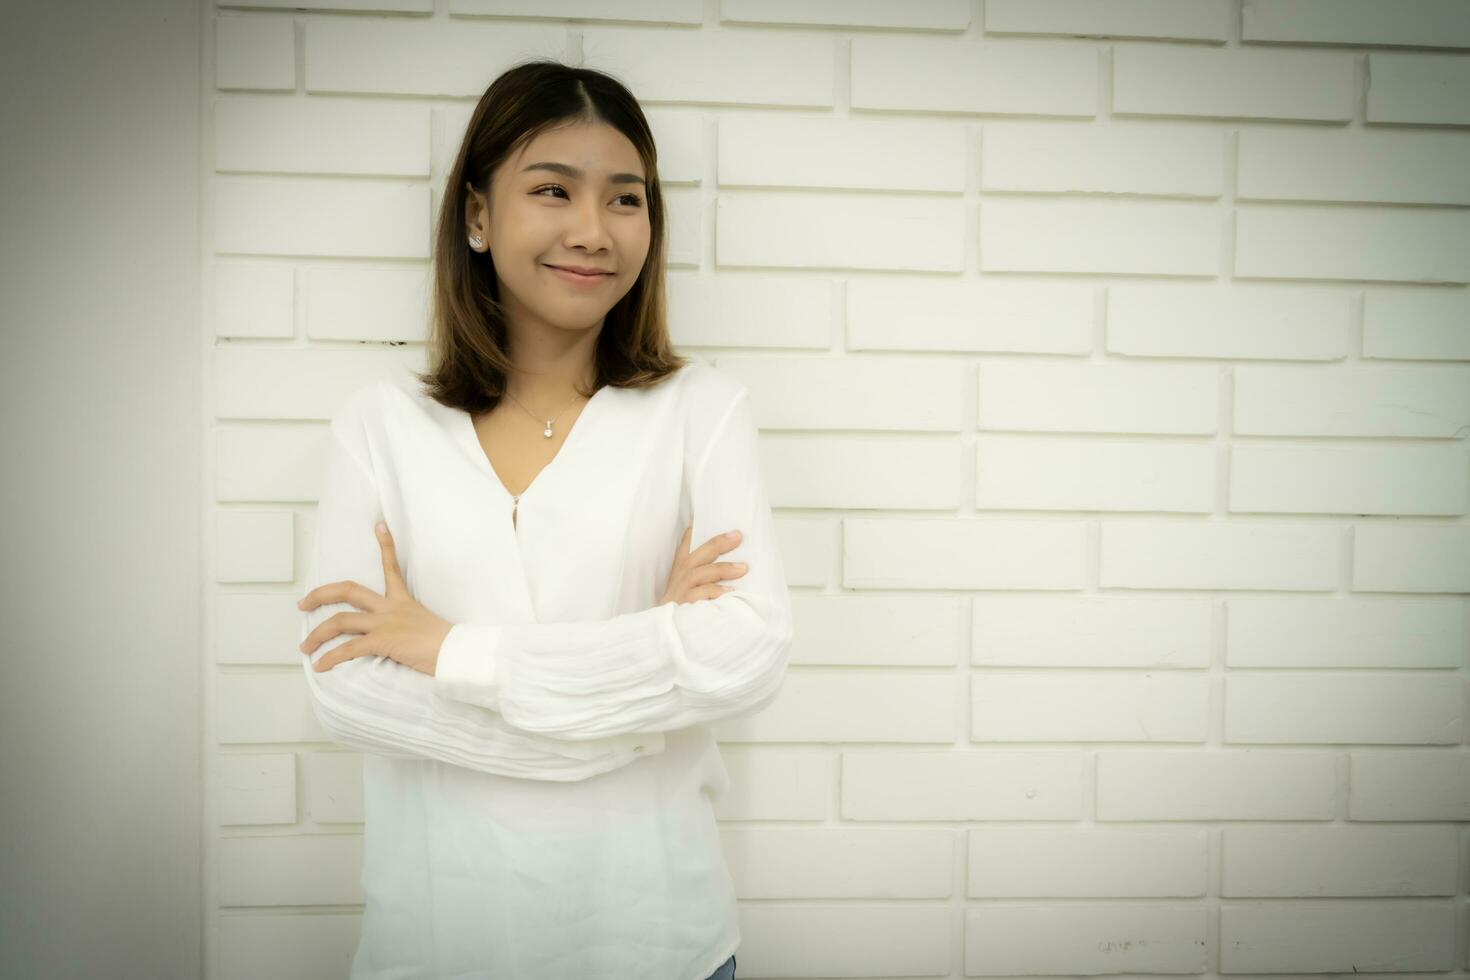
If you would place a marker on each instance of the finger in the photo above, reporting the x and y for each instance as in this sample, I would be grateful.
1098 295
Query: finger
715 547
335 625
347 591
392 577
347 651
714 572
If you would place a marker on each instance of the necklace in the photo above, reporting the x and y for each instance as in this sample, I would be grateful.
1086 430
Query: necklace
547 431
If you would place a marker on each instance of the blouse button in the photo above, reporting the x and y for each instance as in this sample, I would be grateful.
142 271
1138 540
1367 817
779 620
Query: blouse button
637 748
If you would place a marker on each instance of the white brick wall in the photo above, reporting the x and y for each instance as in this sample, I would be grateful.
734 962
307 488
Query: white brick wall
1113 362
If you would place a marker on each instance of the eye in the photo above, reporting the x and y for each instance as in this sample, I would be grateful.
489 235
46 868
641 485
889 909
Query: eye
633 199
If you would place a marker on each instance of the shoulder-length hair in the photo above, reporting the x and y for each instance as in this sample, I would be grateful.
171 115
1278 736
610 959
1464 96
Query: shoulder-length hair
468 363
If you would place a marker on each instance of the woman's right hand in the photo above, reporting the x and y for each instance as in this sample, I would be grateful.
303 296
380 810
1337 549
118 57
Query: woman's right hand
696 575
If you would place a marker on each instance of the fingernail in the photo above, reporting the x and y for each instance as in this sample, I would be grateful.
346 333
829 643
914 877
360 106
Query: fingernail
731 534
381 527
300 603
741 565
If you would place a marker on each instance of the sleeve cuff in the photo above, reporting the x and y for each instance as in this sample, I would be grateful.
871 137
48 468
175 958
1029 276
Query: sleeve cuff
466 667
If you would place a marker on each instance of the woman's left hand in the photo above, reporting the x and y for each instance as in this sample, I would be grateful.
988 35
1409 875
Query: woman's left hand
395 625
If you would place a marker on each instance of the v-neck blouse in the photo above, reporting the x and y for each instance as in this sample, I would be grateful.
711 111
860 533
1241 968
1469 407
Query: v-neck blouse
542 806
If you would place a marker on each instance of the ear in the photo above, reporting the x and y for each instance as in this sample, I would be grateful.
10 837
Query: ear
476 211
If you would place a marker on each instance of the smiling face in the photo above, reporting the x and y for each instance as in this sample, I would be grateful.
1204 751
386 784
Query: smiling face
572 197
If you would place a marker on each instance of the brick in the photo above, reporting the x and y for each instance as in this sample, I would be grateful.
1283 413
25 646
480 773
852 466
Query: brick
1085 939
254 51
390 56
321 136
947 785
1237 784
1418 88
1409 785
254 300
284 946
778 784
255 788
254 382
390 305
1235 321
869 473
252 707
1351 632
257 628
268 462
1095 236
956 553
848 939
1331 242
856 706
1416 324
1418 557
915 74
254 545
311 869
1091 631
1181 20
930 15
879 630
1399 480
1061 707
1233 83
840 153
835 862
798 68
1370 401
1170 399
1089 474
321 217
839 230
902 394
1332 937
1426 23
750 310
1073 862
886 313
1072 158
1379 167
1200 554
334 791
1318 708
689 12
1314 862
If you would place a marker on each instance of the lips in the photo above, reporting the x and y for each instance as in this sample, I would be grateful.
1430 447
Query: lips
590 273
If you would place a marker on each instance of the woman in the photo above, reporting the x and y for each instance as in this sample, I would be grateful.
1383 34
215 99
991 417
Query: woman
531 647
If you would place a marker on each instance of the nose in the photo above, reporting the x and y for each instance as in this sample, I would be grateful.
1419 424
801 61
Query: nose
588 225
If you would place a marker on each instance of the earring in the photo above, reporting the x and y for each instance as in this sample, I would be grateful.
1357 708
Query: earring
476 242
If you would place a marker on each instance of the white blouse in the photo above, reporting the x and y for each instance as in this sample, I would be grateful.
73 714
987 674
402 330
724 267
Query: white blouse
542 806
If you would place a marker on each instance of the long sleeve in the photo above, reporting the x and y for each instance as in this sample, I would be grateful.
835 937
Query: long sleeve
658 669
378 705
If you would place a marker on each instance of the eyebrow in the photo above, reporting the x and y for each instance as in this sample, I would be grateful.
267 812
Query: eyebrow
574 173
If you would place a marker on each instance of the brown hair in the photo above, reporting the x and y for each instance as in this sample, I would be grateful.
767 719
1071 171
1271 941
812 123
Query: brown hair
467 330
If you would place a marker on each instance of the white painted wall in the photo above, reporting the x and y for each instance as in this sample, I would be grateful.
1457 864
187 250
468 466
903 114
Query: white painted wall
101 491
1111 359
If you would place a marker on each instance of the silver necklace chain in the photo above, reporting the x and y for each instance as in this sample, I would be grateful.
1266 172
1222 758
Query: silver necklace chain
547 431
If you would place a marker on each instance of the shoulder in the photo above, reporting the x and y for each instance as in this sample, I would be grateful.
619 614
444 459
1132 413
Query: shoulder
707 399
706 393
371 411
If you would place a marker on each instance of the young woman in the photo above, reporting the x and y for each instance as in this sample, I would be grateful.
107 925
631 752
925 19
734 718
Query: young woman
522 605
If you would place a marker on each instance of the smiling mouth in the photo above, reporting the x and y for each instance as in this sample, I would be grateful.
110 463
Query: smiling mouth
581 275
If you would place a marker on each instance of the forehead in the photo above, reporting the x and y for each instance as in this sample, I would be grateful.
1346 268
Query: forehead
592 147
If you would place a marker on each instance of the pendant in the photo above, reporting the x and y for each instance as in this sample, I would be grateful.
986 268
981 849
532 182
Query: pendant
547 433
